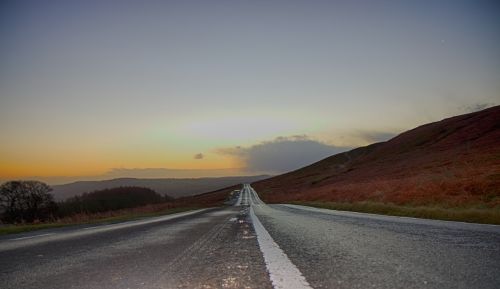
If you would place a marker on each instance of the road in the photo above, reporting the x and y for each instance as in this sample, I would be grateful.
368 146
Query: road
254 245
212 248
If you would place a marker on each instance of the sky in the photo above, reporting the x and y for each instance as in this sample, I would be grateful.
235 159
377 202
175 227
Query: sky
97 89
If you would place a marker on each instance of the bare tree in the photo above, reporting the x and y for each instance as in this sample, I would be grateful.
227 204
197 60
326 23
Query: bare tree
26 201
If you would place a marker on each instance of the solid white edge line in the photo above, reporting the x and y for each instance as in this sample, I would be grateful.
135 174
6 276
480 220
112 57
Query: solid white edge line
401 219
109 227
282 272
31 237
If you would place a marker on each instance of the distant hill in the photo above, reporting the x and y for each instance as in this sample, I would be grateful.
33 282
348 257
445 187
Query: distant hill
454 162
173 187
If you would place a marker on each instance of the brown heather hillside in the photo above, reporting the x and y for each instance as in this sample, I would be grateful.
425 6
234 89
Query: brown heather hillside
210 199
451 163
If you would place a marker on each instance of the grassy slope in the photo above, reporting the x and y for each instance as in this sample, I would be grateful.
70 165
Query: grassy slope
452 165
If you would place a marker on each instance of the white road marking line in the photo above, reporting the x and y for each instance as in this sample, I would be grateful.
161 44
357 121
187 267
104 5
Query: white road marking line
400 219
101 226
30 237
282 272
144 221
238 203
256 197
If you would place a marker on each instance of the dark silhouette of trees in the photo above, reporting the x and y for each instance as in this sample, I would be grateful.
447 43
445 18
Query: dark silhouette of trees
26 201
110 199
29 201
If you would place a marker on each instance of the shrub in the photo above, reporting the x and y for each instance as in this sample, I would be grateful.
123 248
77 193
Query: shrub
26 201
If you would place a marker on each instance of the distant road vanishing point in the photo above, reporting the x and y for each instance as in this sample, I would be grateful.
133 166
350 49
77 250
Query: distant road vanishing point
255 245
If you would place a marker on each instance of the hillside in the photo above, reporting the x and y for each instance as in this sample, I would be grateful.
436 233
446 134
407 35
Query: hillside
451 163
173 187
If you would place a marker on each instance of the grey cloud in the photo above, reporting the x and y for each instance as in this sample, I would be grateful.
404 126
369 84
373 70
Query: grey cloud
375 136
146 173
198 156
477 107
282 154
167 173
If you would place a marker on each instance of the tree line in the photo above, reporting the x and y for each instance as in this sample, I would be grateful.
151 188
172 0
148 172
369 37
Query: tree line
110 199
31 201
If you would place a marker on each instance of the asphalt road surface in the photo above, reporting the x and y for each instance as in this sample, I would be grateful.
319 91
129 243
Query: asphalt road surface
254 245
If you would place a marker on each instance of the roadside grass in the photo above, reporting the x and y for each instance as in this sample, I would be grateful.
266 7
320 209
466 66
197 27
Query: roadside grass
470 215
14 229
207 200
92 219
